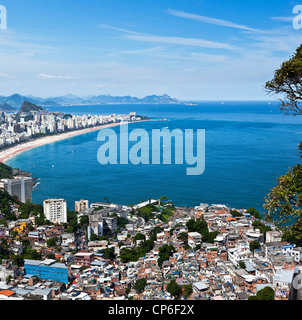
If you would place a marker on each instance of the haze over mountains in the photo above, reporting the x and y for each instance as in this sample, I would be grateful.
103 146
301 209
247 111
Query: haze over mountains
16 100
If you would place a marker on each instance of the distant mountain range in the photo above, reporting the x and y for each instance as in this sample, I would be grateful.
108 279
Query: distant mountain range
16 100
7 108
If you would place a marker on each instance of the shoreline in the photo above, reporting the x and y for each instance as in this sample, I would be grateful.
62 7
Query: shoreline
8 154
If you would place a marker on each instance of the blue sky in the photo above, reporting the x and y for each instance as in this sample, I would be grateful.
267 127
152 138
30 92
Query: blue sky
191 50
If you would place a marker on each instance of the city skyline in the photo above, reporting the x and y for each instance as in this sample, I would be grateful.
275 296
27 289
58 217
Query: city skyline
187 49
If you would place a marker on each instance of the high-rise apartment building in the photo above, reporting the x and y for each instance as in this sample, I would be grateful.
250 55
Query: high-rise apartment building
55 210
81 205
20 187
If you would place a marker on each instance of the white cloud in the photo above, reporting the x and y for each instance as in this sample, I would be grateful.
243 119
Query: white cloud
49 76
195 42
209 20
4 75
27 54
283 19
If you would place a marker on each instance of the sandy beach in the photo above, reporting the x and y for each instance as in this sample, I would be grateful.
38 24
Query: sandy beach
9 153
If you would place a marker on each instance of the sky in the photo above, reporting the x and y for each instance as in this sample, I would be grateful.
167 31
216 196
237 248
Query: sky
190 50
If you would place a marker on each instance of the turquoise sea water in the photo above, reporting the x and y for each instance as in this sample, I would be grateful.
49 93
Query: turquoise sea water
248 145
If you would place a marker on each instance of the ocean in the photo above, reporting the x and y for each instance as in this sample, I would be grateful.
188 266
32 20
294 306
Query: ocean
247 146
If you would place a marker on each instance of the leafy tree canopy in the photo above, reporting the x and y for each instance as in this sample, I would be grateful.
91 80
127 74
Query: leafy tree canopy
287 82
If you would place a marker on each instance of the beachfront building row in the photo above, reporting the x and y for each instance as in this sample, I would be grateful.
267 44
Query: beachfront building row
13 131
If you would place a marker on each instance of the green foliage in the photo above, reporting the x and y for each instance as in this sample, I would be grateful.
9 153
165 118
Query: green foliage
140 284
267 293
198 225
121 222
30 208
284 202
72 220
165 215
18 260
235 213
109 253
5 204
4 249
144 247
6 172
84 221
93 237
242 264
146 212
254 212
41 220
128 255
165 252
138 236
287 83
174 289
187 290
154 232
261 226
31 254
183 236
289 237
254 245
52 242
209 236
201 227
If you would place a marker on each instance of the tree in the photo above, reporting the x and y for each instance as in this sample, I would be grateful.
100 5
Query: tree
254 245
267 293
128 255
183 236
199 225
140 284
121 222
84 220
242 264
109 253
164 253
154 232
18 260
236 213
93 237
187 290
8 279
285 200
174 289
52 242
287 82
51 256
144 247
139 236
254 212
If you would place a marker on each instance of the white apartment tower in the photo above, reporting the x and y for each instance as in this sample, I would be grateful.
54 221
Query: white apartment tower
55 210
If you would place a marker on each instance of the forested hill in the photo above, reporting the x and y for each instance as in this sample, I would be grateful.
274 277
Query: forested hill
5 171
